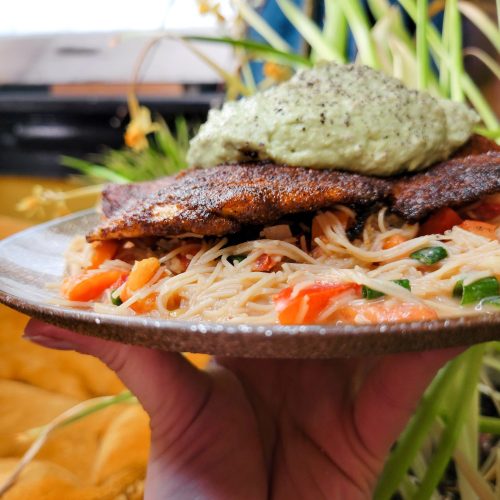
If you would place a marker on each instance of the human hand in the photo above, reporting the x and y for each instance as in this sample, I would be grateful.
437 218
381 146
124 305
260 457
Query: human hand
255 429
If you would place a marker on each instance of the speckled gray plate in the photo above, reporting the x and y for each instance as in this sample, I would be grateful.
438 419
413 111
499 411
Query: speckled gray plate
34 258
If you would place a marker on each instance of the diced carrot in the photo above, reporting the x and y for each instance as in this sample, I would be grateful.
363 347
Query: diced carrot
102 251
480 228
439 222
145 305
265 262
318 297
393 241
90 285
142 272
384 313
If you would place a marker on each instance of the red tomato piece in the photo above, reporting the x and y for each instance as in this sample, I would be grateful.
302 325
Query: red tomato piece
440 221
317 296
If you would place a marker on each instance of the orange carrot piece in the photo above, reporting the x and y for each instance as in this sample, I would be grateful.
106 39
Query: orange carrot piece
145 305
89 286
393 241
480 228
142 272
383 313
102 251
440 221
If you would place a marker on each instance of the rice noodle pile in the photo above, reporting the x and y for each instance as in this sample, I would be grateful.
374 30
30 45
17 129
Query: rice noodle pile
215 288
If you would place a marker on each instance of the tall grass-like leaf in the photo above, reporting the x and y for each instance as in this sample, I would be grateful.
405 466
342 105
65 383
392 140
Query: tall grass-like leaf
472 364
470 88
233 82
309 31
455 47
444 72
482 21
258 23
93 170
423 67
489 425
485 58
257 49
478 485
416 432
381 8
335 29
357 18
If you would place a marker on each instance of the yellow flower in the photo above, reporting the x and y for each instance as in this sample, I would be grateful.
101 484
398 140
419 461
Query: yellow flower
209 7
140 125
276 72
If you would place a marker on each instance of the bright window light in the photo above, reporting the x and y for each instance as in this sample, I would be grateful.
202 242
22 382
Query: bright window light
33 17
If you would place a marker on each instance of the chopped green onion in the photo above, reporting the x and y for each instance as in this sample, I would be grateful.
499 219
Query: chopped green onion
235 259
369 293
430 255
458 289
115 299
485 288
492 301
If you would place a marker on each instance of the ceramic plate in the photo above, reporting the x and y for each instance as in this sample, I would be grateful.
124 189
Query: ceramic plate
32 259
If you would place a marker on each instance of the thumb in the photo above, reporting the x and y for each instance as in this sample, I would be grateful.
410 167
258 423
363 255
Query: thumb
169 387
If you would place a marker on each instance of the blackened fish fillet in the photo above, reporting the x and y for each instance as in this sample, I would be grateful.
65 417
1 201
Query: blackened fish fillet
220 200
116 197
451 183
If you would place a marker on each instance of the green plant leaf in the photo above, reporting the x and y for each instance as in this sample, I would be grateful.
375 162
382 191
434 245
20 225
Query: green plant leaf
335 28
310 31
360 27
423 66
416 432
257 49
485 58
93 170
456 417
482 21
258 23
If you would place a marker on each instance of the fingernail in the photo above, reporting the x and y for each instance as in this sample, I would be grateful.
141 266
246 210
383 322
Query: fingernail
51 342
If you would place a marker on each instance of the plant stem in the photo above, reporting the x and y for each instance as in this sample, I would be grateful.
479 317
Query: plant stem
457 63
358 22
471 91
257 22
472 360
416 432
422 48
489 425
336 28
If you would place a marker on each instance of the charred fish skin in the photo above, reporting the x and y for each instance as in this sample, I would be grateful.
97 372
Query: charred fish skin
220 200
452 183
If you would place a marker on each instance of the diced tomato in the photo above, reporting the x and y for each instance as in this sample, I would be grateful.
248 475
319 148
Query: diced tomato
439 222
318 297
393 241
487 210
265 262
385 313
90 285
480 228
102 251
